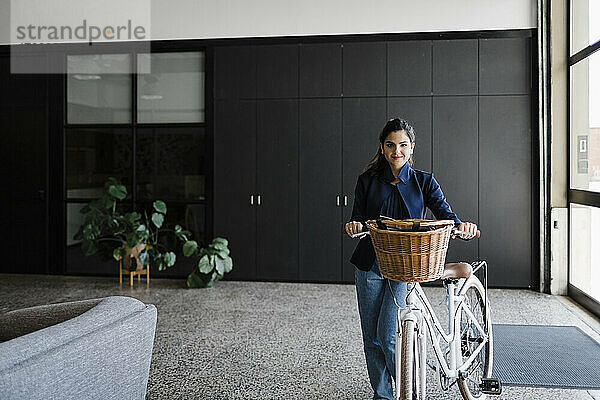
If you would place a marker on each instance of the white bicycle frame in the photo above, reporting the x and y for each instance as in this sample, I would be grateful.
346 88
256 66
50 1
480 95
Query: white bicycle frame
419 310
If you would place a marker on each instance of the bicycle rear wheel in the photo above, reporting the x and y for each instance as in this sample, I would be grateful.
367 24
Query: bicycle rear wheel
410 368
475 324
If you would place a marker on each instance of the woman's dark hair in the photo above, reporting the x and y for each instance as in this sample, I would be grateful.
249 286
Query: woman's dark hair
378 163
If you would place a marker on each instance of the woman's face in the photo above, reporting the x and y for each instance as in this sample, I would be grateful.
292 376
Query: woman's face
397 149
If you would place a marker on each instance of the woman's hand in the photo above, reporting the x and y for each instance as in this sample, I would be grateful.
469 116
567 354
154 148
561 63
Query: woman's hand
470 229
353 227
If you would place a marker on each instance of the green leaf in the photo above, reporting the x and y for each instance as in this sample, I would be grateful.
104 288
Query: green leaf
109 203
132 239
119 252
219 266
213 279
177 228
223 253
195 281
142 231
160 263
132 217
190 248
220 240
228 264
158 219
117 191
217 246
144 258
205 265
170 258
160 206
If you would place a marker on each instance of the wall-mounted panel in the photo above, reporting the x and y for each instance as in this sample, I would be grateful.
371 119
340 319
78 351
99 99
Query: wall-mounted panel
455 67
277 71
364 69
235 182
505 188
409 68
504 66
455 162
320 195
235 72
321 70
277 184
363 120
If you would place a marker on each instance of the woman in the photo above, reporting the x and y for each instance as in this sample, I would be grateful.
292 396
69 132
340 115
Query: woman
389 186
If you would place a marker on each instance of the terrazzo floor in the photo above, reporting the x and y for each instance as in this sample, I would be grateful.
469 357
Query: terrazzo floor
256 340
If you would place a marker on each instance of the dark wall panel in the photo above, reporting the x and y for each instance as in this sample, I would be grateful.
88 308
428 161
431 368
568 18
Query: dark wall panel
277 71
504 66
321 70
417 111
364 69
24 122
409 68
455 66
235 72
363 119
505 188
235 181
455 162
320 180
277 184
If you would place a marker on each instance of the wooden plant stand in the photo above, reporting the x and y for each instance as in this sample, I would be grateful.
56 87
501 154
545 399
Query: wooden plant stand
138 272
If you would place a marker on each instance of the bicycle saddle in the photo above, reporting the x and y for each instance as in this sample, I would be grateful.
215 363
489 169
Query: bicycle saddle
457 270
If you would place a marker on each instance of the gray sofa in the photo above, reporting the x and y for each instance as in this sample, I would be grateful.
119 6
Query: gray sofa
91 349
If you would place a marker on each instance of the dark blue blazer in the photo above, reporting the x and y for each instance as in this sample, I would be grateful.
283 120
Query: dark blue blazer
372 191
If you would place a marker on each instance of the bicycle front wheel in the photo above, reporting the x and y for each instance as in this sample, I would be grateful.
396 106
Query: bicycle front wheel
409 368
475 325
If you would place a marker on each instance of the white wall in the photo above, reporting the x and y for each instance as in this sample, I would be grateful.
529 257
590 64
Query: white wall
189 19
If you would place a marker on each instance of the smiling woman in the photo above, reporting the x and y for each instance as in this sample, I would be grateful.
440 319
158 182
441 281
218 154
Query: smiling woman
389 186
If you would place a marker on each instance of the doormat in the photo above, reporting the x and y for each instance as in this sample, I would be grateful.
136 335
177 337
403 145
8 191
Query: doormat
551 356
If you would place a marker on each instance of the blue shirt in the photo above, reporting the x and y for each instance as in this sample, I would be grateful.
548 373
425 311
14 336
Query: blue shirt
407 201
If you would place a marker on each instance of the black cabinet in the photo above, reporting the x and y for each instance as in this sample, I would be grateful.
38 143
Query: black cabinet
455 67
277 189
277 71
409 68
505 188
455 162
501 66
321 70
363 119
321 199
235 182
287 157
364 69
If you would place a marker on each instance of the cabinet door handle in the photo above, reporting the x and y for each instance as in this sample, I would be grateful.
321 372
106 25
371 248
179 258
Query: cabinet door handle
345 201
251 199
337 200
258 199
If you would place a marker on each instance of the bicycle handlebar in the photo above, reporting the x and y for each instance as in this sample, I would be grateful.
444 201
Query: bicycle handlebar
454 233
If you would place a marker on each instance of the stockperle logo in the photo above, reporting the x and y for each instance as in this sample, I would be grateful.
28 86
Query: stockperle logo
85 32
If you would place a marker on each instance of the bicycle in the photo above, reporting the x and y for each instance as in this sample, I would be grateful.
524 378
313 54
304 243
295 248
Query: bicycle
465 353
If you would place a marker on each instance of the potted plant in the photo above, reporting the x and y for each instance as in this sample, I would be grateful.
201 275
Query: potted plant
213 264
127 235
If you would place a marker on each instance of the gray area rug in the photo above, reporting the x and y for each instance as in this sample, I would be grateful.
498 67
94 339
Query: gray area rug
551 356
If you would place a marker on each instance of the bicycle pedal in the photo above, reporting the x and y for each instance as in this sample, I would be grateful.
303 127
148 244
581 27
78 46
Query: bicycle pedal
491 386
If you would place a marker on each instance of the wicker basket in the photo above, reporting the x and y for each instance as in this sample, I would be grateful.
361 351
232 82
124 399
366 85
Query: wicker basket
411 256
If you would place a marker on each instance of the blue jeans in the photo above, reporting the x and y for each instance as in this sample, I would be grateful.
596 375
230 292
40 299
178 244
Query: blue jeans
378 322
